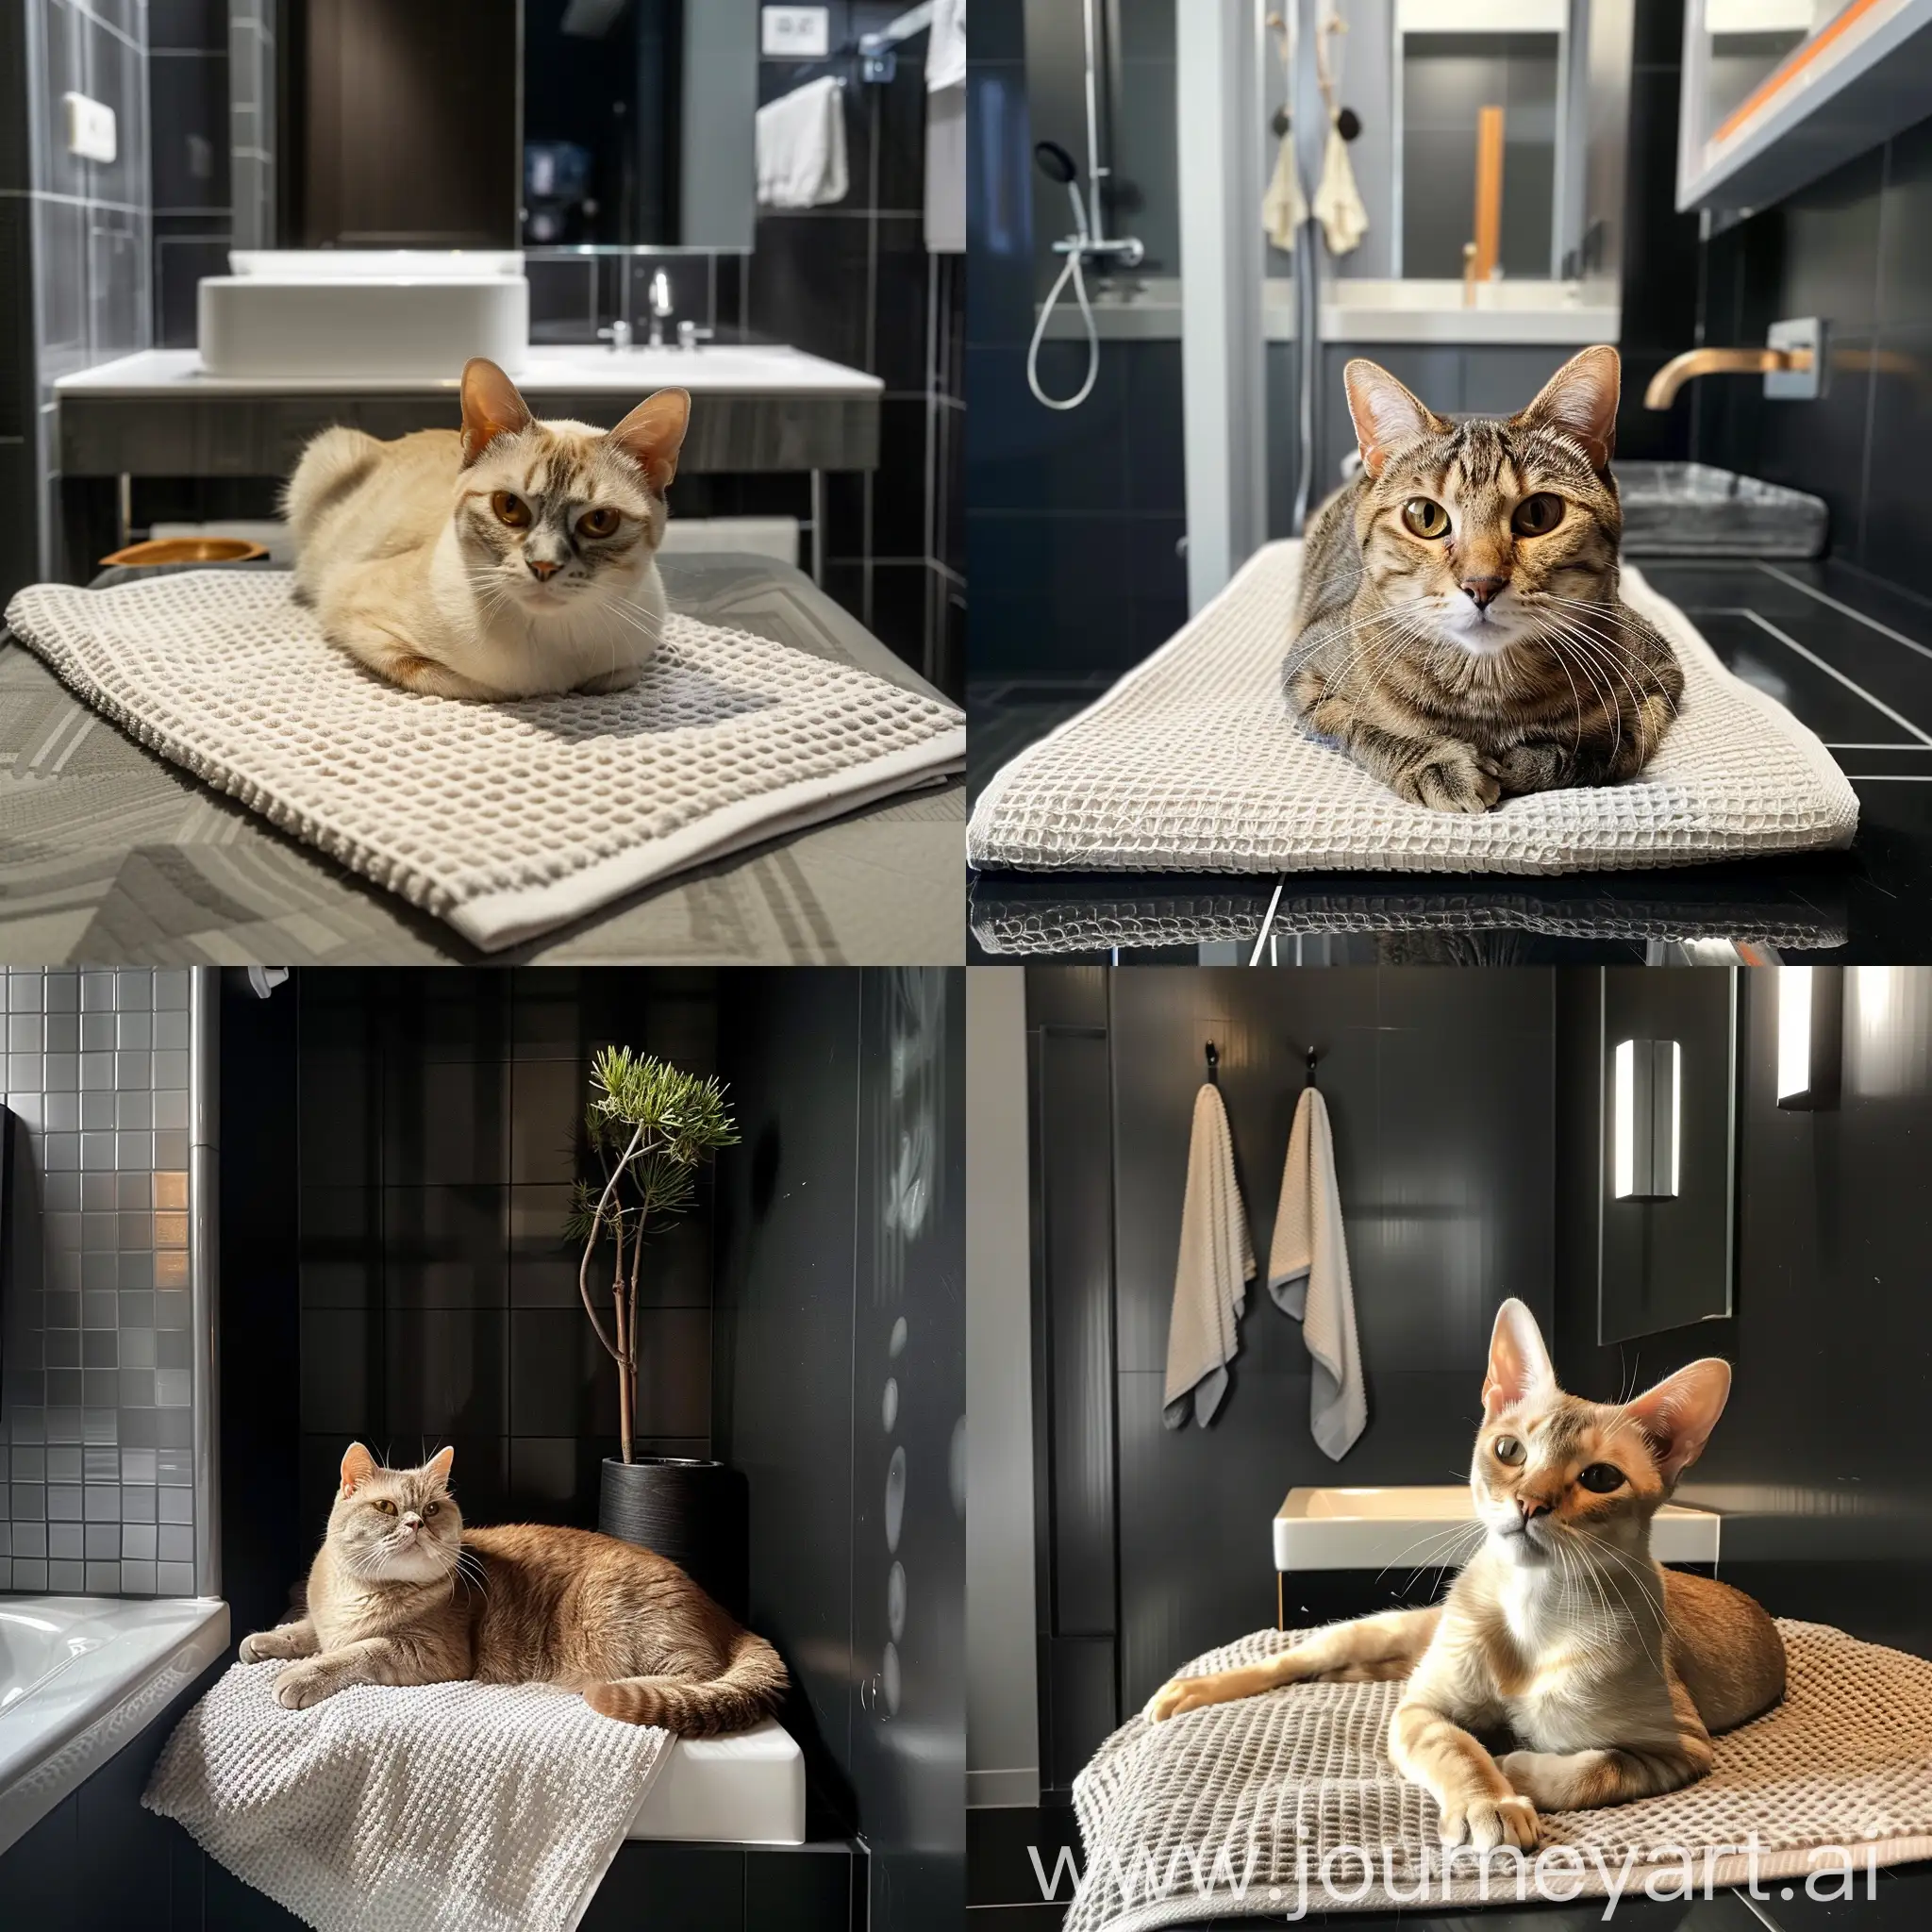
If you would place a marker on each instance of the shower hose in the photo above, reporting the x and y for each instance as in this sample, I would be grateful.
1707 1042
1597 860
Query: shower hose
1073 271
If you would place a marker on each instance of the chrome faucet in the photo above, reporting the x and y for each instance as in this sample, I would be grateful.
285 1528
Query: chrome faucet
690 335
661 307
617 335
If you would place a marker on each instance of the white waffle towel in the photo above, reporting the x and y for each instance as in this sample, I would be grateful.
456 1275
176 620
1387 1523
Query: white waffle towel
1216 1264
451 1807
505 820
801 146
1308 1275
1190 763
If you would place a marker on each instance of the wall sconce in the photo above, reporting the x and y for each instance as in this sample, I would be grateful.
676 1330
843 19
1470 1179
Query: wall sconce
1811 1025
1646 1118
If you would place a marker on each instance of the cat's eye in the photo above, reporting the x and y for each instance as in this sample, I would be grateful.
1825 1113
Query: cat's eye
597 522
1507 1449
1426 517
384 1503
510 510
1538 515
1600 1478
430 1508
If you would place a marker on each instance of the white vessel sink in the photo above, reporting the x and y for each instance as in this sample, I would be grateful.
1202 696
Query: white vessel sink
388 316
1370 1529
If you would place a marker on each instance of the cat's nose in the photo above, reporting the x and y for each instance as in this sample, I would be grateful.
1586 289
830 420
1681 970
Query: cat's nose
1532 1506
1483 592
541 568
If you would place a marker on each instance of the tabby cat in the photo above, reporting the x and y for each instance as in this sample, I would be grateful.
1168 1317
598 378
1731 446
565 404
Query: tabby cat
1609 1671
507 560
1457 629
401 1592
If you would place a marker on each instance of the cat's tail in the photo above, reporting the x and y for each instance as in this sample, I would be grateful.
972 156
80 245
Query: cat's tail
743 1693
332 465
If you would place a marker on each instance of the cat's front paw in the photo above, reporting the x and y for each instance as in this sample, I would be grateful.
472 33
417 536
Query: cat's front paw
610 681
302 1685
1487 1822
252 1651
1549 1779
1180 1694
1533 768
1454 778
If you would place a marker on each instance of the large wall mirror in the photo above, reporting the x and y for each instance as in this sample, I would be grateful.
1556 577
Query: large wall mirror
638 123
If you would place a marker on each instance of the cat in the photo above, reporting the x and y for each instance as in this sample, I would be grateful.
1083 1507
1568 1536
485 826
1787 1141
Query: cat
510 558
1458 630
1610 1673
401 1592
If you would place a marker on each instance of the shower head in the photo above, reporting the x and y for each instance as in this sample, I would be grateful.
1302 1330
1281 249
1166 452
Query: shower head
1055 162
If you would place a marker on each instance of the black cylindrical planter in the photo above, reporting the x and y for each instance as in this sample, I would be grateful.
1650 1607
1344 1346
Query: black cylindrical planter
694 1513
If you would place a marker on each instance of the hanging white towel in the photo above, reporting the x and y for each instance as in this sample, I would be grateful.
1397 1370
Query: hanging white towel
1308 1275
1338 203
945 53
801 146
1217 1261
1283 210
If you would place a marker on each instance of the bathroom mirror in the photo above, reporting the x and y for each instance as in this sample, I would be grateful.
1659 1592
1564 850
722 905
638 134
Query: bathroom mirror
638 123
1667 1174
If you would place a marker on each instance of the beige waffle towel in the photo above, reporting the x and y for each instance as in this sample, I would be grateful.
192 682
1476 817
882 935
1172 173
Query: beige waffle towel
1308 1275
1274 1786
1217 1262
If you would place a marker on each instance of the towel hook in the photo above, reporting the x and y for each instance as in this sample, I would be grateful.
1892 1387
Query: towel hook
1213 1064
1314 1054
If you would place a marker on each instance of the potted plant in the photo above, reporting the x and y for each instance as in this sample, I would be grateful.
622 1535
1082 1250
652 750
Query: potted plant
649 1128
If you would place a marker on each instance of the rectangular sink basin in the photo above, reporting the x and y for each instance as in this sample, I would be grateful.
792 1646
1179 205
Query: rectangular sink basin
1691 509
387 316
1370 1528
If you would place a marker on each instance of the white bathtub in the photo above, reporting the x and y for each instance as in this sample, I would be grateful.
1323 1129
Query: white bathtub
82 1675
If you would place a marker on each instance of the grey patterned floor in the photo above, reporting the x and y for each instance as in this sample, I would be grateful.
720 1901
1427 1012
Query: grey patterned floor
110 854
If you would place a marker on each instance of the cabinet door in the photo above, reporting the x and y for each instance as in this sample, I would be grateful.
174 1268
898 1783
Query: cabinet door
908 1448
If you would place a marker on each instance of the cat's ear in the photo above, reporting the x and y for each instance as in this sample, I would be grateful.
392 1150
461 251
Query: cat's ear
1580 402
1519 1362
1385 413
492 407
358 1467
653 434
438 1464
1680 1412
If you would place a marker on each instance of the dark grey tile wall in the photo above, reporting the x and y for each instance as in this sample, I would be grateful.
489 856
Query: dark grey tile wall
439 1120
1849 248
1439 1084
96 1422
1073 519
1819 1463
189 157
81 229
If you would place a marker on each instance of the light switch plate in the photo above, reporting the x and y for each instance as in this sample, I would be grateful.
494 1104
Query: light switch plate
796 33
91 132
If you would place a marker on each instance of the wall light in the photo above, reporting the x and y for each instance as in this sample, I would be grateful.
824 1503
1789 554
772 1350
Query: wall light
1810 1023
1647 1120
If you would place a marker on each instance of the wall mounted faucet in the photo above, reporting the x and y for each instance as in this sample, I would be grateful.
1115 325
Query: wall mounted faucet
1791 363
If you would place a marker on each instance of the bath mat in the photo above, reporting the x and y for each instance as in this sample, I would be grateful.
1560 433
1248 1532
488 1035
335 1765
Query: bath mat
505 820
1190 763
1224 1810
449 1808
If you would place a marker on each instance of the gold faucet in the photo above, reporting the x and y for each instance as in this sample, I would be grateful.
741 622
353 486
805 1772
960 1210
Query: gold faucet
1665 384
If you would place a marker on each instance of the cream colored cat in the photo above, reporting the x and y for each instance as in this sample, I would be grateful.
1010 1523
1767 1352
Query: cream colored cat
400 1592
1609 1672
508 560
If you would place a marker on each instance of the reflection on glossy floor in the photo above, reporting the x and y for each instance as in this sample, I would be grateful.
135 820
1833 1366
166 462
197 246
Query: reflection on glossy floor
1852 657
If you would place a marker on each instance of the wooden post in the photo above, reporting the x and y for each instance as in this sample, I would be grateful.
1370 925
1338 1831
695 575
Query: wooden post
1488 194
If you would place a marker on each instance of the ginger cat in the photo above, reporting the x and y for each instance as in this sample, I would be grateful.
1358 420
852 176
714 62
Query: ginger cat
402 1594
1609 1672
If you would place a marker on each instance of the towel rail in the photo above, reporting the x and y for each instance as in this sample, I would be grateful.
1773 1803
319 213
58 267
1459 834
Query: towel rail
879 62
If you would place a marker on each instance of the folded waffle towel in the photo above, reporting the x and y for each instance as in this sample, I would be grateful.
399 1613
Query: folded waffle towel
1237 1807
505 820
1308 1275
801 146
1217 1261
1190 763
451 1807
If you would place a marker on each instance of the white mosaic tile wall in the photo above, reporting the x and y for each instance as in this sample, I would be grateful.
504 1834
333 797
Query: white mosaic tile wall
96 1418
